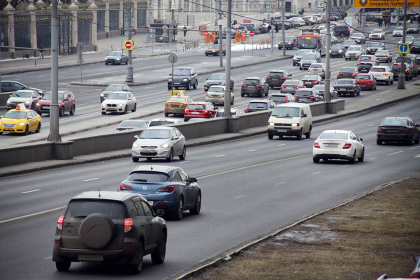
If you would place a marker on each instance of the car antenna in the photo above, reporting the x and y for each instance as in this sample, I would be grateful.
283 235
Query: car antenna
151 168
99 193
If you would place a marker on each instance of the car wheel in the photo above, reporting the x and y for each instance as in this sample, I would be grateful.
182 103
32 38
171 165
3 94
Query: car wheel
299 136
300 68
26 130
378 142
103 113
387 82
158 256
362 156
136 268
315 159
392 82
179 212
125 110
135 108
183 156
195 85
61 112
353 159
411 141
170 156
417 141
38 130
270 135
308 134
169 87
73 109
233 101
135 159
188 86
197 208
166 114
106 63
63 266
242 95
207 54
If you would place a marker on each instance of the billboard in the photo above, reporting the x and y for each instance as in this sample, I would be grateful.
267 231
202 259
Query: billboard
385 3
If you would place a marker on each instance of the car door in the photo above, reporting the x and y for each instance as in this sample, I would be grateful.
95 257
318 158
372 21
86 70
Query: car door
176 142
153 223
141 221
190 193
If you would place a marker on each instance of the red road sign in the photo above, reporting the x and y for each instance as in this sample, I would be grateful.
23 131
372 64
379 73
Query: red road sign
252 33
128 45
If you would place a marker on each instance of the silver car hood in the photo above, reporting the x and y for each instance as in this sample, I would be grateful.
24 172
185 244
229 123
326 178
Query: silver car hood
114 101
19 99
151 142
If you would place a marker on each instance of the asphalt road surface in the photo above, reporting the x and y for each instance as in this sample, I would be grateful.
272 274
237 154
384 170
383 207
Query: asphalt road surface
249 187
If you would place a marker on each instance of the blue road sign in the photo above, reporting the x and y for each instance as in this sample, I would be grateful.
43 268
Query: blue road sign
403 48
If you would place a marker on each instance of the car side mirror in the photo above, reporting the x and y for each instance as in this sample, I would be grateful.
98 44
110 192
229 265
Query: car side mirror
136 136
361 139
160 212
193 180
170 74
1 116
175 137
290 75
417 125
304 115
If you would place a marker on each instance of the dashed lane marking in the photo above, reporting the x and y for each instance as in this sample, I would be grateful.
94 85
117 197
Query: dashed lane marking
394 153
32 191
315 173
93 179
239 196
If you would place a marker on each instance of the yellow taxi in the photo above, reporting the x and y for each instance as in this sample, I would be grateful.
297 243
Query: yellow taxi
177 104
20 120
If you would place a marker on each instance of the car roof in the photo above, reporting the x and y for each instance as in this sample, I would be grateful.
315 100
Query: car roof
189 68
108 195
293 104
259 101
217 86
336 131
22 110
157 168
159 128
200 103
249 78
119 91
117 85
398 118
277 70
166 119
279 94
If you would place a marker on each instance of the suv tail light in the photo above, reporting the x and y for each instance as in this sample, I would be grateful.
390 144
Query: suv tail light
166 105
244 85
268 77
379 129
167 189
60 222
347 146
124 187
128 225
259 86
207 94
246 111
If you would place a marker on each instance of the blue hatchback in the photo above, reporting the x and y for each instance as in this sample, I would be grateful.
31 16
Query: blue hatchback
165 187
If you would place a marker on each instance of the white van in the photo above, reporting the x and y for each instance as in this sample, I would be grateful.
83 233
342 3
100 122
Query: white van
290 119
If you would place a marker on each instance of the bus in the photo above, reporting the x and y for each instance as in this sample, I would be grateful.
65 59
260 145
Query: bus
312 39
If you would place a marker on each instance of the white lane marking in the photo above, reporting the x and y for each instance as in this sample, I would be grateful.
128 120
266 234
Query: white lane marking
220 155
281 145
239 196
414 148
185 161
93 179
372 158
394 153
252 150
371 125
418 156
31 215
31 191
48 258
315 173
280 183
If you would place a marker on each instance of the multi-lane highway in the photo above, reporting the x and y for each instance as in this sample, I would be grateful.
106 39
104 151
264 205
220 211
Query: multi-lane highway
250 187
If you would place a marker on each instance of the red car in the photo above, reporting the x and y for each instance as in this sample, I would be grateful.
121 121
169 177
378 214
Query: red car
66 103
200 110
366 81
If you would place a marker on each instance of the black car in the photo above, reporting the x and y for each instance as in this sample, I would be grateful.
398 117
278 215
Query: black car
413 29
396 70
347 72
347 86
183 77
132 124
9 86
277 77
260 105
411 61
346 44
364 67
341 31
337 51
289 43
398 129
311 80
102 226
374 46
415 47
254 86
308 95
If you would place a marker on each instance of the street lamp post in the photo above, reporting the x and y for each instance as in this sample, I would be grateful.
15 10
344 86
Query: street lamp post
129 73
327 93
401 76
227 112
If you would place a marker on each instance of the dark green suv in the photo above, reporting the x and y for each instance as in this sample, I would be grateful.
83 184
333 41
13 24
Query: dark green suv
341 31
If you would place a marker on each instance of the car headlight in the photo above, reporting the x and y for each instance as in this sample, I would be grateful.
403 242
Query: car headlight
185 80
105 58
271 124
27 101
166 145
135 145
8 101
295 124
20 124
340 51
121 105
118 59
37 104
102 95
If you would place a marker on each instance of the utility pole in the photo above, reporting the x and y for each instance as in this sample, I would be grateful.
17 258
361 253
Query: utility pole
316 6
149 15
327 93
401 76
129 72
220 33
282 28
227 112
54 123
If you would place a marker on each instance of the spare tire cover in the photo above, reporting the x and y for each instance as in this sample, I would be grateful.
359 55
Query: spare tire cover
97 231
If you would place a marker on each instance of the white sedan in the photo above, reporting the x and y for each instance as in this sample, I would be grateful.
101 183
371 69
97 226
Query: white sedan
216 95
377 34
338 144
354 52
119 102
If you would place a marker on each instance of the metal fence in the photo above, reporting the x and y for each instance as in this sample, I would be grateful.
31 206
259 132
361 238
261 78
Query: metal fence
22 31
100 26
84 29
43 31
114 20
65 34
141 17
4 38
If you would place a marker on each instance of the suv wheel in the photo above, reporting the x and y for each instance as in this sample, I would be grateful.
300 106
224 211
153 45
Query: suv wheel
136 268
195 85
158 256
179 212
63 266
197 207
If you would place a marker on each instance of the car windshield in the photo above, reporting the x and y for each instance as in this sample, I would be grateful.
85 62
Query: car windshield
406 60
83 208
114 53
413 25
349 43
344 82
217 77
363 77
131 123
216 89
333 136
365 57
409 38
377 31
160 122
398 122
285 112
197 106
22 94
357 35
178 99
354 48
48 96
375 45
292 82
381 52
377 70
279 74
289 38
252 82
301 52
278 99
15 115
398 29
348 69
309 56
336 47
316 65
114 88
365 63
148 177
303 93
257 105
155 134
396 66
118 95
182 72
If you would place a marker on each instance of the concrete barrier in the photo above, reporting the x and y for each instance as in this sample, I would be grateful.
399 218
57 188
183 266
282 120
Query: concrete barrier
124 140
3 98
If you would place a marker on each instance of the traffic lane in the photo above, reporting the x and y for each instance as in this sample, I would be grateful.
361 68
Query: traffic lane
54 189
243 203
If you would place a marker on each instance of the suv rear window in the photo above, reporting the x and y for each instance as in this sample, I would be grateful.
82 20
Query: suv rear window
147 177
277 98
82 208
155 123
303 93
251 82
407 60
257 105
280 74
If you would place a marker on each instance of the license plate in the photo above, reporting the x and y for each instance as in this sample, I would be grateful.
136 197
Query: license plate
84 257
330 145
392 130
281 130
45 107
275 79
8 129
148 151
176 83
195 113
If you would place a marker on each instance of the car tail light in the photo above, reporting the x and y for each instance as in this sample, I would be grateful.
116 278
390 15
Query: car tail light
314 82
128 224
166 105
351 88
296 87
259 86
124 187
384 73
353 74
406 130
391 70
312 96
268 77
308 69
415 276
295 96
379 129
347 146
338 74
385 56
323 70
371 60
187 111
167 189
316 145
60 222
244 85
357 68
184 105
283 78
283 86
207 94
246 111
223 95
406 70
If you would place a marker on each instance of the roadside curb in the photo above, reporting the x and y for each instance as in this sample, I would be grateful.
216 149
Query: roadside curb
229 254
